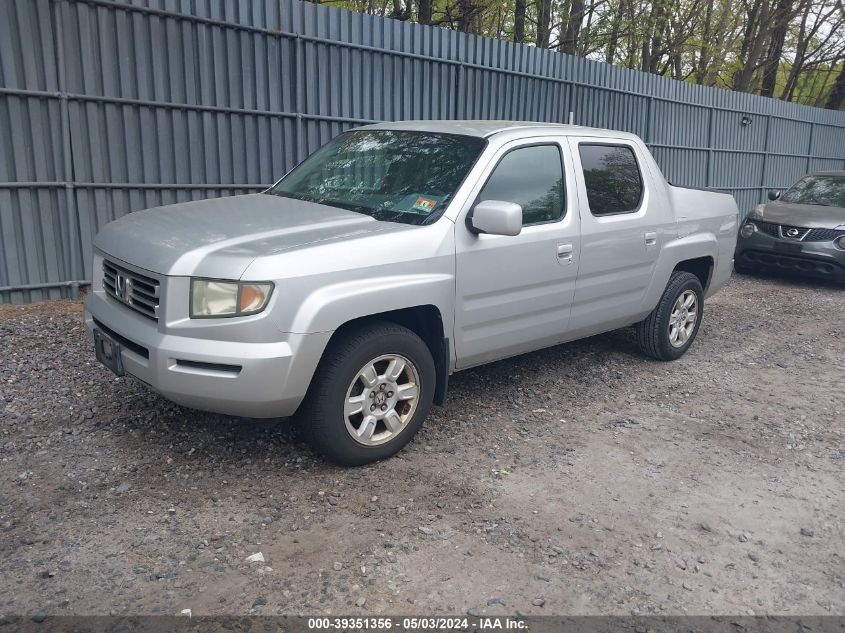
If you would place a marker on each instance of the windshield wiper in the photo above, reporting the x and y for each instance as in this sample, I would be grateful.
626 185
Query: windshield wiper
328 202
357 208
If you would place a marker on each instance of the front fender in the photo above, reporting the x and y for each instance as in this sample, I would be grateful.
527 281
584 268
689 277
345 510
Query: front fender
329 307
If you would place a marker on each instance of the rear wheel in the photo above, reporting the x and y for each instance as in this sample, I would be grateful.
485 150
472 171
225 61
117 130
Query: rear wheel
670 329
370 394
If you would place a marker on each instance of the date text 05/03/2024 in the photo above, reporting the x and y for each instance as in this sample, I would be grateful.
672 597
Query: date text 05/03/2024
419 624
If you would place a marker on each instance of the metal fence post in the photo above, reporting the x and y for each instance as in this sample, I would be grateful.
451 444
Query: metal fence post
810 147
75 266
459 72
708 175
299 82
761 196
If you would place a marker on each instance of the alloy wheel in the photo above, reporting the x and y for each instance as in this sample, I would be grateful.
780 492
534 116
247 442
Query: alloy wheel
381 399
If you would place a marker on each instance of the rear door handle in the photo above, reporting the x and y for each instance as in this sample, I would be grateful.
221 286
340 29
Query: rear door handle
564 253
651 238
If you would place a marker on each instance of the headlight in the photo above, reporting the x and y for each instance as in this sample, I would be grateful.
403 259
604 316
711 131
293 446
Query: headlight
217 298
841 242
748 229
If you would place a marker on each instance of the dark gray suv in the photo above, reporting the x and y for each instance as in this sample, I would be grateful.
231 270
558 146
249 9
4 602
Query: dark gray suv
801 230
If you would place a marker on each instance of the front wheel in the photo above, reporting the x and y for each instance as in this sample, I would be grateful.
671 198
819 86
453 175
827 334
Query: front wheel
672 326
370 394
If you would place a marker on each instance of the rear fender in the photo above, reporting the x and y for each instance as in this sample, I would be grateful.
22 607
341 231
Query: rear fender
703 244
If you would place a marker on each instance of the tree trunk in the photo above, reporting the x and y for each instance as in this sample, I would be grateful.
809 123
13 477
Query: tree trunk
466 19
569 44
424 12
753 45
700 70
518 22
836 98
612 44
780 25
631 61
400 11
653 41
544 18
585 36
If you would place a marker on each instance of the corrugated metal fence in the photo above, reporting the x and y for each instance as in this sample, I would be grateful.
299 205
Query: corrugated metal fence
107 107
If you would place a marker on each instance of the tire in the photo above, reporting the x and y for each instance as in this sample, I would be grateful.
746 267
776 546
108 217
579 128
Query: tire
340 379
653 332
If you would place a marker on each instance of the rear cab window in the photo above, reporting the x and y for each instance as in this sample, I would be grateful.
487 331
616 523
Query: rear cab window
612 178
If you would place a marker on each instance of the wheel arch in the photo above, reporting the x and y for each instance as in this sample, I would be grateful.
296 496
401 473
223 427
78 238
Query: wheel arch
696 253
426 321
702 267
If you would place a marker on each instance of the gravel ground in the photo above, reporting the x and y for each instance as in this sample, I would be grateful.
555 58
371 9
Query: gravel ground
583 479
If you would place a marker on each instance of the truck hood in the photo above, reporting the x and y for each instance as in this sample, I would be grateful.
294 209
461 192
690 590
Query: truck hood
807 215
221 237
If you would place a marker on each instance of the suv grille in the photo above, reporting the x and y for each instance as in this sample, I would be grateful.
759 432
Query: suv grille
793 232
136 291
768 228
802 234
823 235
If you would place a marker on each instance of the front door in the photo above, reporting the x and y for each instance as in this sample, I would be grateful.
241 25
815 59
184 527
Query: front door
514 293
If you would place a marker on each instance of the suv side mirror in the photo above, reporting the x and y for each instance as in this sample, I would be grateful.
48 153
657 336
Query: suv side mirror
497 217
774 194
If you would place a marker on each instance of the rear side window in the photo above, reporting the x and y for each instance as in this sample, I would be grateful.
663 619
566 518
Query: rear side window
531 177
612 177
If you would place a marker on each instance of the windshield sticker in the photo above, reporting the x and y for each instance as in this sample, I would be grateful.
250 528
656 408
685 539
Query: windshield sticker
425 204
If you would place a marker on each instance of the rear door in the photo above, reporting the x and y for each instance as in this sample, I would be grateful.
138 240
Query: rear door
514 293
621 233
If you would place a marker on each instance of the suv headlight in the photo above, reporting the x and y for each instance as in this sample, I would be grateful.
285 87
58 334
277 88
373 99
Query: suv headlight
212 298
748 229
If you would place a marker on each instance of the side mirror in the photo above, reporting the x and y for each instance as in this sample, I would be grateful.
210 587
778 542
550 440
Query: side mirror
774 194
497 217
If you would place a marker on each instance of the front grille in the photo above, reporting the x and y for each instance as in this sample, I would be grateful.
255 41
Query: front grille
135 291
823 235
803 234
793 232
768 228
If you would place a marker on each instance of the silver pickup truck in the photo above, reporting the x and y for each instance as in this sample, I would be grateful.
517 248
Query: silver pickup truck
398 253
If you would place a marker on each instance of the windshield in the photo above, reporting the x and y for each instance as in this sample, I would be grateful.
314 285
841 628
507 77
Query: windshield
828 191
390 175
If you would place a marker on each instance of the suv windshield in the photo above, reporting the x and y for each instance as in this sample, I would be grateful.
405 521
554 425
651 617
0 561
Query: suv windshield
828 191
390 175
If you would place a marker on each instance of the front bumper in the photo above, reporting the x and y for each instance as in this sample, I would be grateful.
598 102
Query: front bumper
243 378
822 260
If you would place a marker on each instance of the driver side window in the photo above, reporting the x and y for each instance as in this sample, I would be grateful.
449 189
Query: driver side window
531 177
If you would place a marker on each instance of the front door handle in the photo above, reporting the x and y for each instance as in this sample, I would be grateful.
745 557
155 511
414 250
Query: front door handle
564 253
651 238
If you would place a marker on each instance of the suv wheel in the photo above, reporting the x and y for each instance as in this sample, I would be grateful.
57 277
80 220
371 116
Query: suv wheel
672 326
370 394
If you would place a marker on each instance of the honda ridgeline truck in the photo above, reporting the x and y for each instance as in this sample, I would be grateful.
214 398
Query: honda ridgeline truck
347 293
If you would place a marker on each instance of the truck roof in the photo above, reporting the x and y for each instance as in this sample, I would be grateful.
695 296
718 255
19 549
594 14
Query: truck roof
485 129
